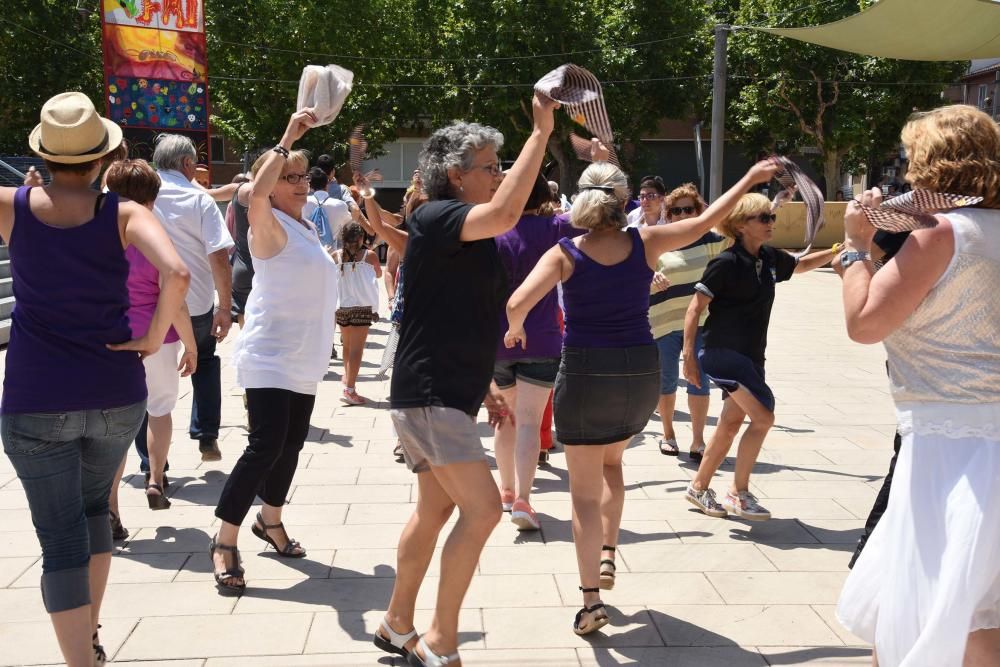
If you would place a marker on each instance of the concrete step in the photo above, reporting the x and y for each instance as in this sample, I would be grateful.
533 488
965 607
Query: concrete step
5 268
6 307
4 331
6 287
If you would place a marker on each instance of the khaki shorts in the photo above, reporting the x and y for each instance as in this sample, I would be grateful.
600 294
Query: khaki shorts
436 436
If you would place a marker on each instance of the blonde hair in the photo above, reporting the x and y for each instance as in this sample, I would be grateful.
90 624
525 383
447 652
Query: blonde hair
954 149
680 192
600 203
748 206
298 158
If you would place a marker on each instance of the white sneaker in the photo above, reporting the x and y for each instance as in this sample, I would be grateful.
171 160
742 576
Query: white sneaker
705 501
745 506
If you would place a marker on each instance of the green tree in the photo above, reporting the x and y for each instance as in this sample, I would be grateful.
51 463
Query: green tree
787 95
46 47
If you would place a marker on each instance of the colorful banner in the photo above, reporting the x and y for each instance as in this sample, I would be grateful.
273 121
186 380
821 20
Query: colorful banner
183 15
154 54
157 103
156 70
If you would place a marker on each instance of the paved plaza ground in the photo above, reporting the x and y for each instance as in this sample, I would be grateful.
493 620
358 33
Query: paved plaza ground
691 591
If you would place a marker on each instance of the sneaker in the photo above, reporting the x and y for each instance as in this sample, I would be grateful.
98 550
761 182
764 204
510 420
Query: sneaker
351 397
745 506
210 450
506 499
705 501
522 516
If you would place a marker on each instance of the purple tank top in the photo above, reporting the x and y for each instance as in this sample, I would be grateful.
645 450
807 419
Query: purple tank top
70 301
608 306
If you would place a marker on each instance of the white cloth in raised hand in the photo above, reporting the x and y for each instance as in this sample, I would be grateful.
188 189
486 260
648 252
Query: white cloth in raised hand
324 90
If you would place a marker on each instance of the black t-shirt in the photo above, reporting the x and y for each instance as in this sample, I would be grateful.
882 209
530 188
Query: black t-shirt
453 294
742 291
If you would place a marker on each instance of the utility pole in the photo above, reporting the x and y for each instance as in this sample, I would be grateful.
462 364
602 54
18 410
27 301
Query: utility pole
718 110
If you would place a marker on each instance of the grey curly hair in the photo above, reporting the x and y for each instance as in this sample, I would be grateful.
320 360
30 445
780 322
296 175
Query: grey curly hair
453 146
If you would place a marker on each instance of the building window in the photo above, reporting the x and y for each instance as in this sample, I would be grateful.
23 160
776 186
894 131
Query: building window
218 150
982 97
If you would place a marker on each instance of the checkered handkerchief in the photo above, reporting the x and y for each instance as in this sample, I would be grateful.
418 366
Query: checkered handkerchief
914 209
580 93
358 146
791 174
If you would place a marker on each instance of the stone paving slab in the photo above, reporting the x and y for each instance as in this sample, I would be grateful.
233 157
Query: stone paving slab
692 591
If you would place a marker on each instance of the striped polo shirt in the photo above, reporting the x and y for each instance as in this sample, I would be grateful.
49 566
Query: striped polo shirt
683 268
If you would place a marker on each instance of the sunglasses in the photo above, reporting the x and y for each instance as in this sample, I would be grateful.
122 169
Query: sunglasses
686 210
763 218
295 179
650 196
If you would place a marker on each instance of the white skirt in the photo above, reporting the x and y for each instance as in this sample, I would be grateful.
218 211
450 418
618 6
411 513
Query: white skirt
930 573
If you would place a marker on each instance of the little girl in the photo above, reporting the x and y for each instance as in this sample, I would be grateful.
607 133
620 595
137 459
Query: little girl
359 273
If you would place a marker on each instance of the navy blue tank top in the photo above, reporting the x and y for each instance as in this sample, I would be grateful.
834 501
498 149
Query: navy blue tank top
71 301
608 306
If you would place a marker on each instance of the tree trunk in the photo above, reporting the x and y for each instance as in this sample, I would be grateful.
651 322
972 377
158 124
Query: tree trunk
831 172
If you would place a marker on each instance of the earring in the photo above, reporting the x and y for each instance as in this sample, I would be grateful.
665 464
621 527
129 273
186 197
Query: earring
461 189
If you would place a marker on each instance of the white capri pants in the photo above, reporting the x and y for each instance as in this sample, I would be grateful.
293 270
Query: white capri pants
162 379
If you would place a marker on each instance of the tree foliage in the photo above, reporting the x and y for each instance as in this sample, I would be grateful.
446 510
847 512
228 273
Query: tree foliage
787 95
46 47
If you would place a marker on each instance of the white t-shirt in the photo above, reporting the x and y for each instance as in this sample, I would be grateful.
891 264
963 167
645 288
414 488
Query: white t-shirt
635 218
337 213
196 226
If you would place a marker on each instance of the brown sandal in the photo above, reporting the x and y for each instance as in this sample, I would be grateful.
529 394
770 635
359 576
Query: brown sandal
607 570
599 619
223 580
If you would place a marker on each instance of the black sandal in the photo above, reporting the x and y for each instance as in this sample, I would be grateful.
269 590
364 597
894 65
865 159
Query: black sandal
599 620
290 545
100 657
607 575
158 501
697 454
223 580
118 531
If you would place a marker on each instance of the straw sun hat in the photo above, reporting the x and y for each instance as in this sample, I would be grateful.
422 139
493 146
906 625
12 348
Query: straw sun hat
72 131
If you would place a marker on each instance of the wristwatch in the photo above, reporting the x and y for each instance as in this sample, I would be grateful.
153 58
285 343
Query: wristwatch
850 256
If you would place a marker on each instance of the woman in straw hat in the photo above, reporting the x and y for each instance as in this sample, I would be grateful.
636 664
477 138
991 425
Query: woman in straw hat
74 390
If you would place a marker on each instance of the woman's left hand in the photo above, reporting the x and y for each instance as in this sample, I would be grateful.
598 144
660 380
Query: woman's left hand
144 346
513 337
858 232
497 409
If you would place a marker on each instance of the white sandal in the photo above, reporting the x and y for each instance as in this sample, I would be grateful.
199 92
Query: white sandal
430 659
396 643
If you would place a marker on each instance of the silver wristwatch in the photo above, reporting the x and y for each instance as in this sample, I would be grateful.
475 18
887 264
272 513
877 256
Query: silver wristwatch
849 257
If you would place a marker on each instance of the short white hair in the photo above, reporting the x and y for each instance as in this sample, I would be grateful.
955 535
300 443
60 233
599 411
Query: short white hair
453 147
171 149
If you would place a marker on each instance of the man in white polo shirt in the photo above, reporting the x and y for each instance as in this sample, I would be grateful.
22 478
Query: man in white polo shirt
198 230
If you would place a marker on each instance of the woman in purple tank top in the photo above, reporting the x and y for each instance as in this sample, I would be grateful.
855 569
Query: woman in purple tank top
74 392
608 381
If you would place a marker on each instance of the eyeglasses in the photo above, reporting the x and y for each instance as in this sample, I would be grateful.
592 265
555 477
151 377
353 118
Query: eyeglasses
686 210
493 169
650 196
295 179
763 218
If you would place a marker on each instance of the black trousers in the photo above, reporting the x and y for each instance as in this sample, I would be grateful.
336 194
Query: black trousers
881 501
279 424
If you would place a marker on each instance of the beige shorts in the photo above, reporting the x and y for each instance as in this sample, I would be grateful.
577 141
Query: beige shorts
436 436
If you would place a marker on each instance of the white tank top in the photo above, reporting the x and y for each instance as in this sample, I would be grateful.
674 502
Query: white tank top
288 333
358 284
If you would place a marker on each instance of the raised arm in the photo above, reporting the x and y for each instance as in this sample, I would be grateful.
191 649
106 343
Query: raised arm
396 238
268 237
663 238
486 221
553 267
139 227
